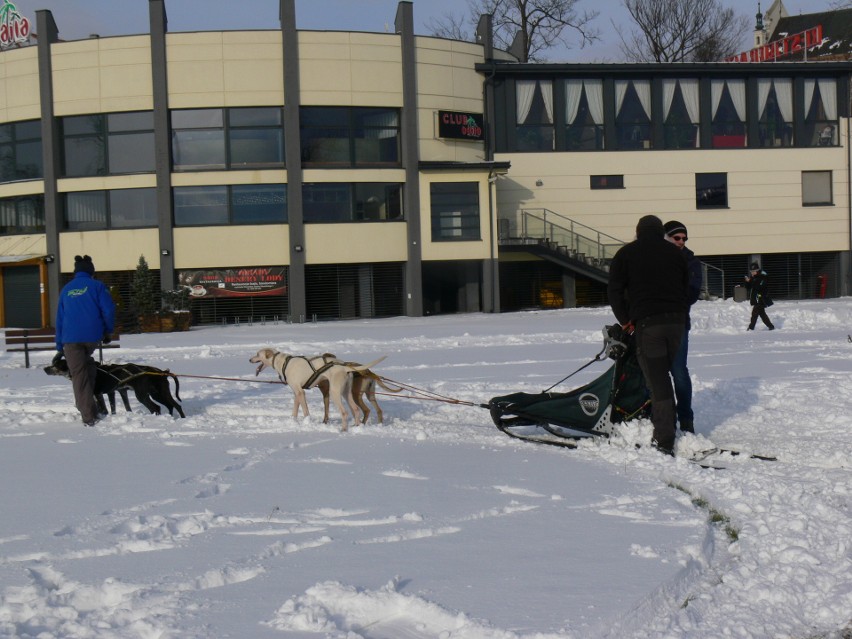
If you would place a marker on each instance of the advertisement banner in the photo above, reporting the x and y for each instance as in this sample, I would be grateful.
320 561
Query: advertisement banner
236 282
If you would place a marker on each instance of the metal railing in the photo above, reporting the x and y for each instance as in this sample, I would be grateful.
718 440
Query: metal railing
712 282
562 233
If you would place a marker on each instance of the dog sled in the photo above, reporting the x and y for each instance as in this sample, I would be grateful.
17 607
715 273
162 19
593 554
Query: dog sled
561 419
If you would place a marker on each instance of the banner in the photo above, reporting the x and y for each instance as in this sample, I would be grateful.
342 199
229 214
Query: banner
237 282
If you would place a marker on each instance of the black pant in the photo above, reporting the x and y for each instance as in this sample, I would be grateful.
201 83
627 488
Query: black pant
759 310
83 373
657 342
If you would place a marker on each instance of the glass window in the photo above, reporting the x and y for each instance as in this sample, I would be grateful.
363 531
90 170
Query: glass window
344 136
131 208
327 202
633 114
377 201
534 115
584 115
86 211
108 144
711 190
606 181
455 211
775 112
816 188
680 114
200 205
20 151
198 149
22 215
259 203
821 125
728 98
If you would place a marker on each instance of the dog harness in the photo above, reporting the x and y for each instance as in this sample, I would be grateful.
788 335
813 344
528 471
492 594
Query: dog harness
316 371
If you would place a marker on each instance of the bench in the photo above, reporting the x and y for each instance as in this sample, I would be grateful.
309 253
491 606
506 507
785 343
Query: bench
26 340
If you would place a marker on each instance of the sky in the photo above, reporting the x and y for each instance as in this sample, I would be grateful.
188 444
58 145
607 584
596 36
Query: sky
241 521
77 19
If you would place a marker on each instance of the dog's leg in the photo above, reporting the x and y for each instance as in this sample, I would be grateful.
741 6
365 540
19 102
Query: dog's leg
371 395
145 400
301 400
99 401
360 384
124 400
323 386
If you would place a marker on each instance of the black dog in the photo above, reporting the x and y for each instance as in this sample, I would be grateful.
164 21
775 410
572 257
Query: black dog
147 383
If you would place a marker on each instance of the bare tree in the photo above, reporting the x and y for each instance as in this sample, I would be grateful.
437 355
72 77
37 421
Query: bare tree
840 4
682 31
533 26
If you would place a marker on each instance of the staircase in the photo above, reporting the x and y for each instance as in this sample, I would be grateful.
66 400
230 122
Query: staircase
560 239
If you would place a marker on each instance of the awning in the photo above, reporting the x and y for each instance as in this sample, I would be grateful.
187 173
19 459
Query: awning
21 248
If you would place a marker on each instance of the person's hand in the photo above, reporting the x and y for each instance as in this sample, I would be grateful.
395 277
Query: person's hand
628 328
107 338
57 358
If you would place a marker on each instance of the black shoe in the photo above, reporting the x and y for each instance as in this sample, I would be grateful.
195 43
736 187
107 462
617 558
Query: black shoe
771 328
750 328
687 427
94 421
663 448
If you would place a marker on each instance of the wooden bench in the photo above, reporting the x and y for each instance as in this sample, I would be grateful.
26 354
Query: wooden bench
43 339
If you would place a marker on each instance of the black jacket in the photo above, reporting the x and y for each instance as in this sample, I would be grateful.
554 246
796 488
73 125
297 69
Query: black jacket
758 287
648 276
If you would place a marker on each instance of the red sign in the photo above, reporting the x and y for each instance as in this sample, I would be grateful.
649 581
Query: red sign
460 126
13 26
780 48
237 282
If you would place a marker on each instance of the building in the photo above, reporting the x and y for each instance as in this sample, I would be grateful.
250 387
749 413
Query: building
318 174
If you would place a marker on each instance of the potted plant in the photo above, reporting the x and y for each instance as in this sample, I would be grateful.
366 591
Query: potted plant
175 315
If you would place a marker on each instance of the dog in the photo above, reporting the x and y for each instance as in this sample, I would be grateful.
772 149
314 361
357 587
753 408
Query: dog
147 382
364 384
299 373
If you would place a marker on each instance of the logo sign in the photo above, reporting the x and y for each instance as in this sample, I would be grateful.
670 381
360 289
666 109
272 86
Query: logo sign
589 403
13 26
781 48
237 282
460 126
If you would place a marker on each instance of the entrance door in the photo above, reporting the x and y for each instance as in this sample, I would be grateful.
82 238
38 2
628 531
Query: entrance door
22 296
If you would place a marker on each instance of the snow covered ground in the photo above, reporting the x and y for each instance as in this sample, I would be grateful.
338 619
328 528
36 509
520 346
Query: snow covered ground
242 522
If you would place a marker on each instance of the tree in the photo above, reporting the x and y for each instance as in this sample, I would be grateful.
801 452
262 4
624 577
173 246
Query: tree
682 31
538 25
143 292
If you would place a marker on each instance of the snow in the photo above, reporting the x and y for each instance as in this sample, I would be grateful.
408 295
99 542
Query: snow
241 521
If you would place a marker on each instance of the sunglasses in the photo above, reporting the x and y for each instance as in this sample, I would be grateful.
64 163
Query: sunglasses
678 238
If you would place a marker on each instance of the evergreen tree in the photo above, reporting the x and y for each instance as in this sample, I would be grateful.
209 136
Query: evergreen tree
143 290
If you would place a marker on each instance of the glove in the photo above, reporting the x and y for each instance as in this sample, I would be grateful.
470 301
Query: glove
107 338
57 358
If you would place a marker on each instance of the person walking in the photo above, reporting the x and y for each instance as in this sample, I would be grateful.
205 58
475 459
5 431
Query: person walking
757 284
84 317
647 291
677 235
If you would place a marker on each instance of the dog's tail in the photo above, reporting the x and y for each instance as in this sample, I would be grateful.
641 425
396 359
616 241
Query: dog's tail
380 381
362 367
177 383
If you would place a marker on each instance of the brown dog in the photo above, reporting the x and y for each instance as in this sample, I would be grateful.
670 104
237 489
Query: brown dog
300 372
364 384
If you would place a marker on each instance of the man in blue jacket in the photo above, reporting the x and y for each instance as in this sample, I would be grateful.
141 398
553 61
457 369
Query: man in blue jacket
85 316
677 235
647 292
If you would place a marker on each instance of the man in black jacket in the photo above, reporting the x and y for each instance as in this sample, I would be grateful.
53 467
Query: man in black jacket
758 287
647 291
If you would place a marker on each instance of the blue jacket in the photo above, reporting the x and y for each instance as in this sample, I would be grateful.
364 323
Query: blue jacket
86 311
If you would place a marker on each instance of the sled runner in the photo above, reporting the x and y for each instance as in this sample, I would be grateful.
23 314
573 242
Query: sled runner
618 395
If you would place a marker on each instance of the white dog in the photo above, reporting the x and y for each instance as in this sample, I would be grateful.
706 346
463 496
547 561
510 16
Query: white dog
300 372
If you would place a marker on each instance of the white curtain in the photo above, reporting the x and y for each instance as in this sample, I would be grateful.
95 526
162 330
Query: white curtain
643 90
669 87
784 94
525 90
689 91
573 94
594 96
828 92
717 87
738 95
547 95
764 86
810 85
620 92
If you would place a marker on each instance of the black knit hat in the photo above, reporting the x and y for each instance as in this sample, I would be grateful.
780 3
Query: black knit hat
755 266
674 226
84 265
649 224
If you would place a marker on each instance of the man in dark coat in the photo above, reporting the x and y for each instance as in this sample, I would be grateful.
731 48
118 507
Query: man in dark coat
677 235
757 284
85 316
647 292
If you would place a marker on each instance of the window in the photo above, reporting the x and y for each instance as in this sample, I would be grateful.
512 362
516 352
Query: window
238 204
108 144
22 215
584 115
455 211
358 202
680 114
350 136
775 111
606 181
728 99
821 126
816 188
534 115
238 138
20 151
711 190
119 208
633 114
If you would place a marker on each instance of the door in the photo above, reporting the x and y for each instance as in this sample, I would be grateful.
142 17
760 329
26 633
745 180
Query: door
22 296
